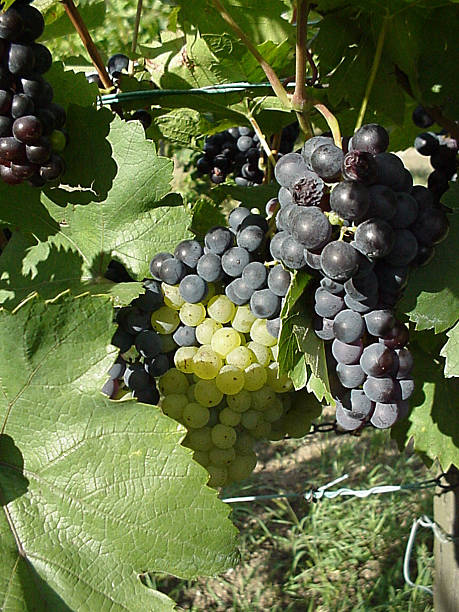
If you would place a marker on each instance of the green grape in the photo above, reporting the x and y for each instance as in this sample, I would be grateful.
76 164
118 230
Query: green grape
244 443
240 402
262 430
173 405
199 439
206 330
172 297
259 333
243 339
230 380
218 475
165 320
206 362
240 357
274 411
173 381
250 419
183 358
195 415
280 383
262 353
223 436
222 456
201 457
262 398
225 340
243 319
275 352
255 377
167 343
221 309
229 417
241 467
192 314
190 393
207 394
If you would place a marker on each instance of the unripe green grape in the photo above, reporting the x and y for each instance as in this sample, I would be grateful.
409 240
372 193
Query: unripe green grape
223 436
173 405
207 394
183 358
58 141
240 402
262 430
259 333
199 439
243 319
218 475
274 411
225 340
172 297
165 320
221 309
250 419
263 398
241 467
206 330
230 380
240 357
195 415
173 381
255 377
244 443
280 383
206 363
262 353
192 314
294 423
201 457
229 417
222 456
167 343
190 393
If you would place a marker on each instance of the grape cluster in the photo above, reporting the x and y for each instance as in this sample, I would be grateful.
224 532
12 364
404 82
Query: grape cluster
237 151
31 134
210 363
441 148
355 219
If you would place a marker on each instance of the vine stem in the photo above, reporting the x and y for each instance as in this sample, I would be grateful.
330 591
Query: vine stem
332 122
135 34
373 71
264 144
87 41
299 98
277 86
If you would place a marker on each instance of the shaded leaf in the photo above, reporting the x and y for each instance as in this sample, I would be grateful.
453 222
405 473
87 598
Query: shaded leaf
451 352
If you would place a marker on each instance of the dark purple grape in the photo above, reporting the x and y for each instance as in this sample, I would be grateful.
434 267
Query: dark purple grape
275 246
339 260
157 262
311 228
237 216
348 326
193 288
209 267
404 250
390 171
383 202
398 336
6 125
21 105
380 323
311 145
185 335
362 288
405 362
380 389
426 143
431 227
12 150
278 280
11 24
347 352
188 252
43 58
28 130
122 340
374 238
264 304
255 275
406 388
332 286
21 60
148 343
250 238
346 419
326 161
23 171
350 376
116 64
53 168
359 166
218 240
5 101
371 137
157 366
378 360
327 304
406 211
308 190
172 271
292 253
323 328
33 21
421 117
385 415
8 176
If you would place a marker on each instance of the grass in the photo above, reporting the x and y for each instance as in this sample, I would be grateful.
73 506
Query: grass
341 554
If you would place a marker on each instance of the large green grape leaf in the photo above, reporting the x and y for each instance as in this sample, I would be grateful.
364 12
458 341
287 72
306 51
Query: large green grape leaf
431 298
58 24
93 492
433 422
137 218
49 271
450 352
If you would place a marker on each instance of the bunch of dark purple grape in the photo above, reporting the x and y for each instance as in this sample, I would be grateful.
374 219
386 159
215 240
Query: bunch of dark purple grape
441 148
31 135
237 151
355 219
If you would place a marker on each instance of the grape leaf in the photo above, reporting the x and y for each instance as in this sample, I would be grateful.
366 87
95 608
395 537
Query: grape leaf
137 218
205 216
251 197
431 298
49 271
451 197
71 87
92 15
451 352
432 423
93 493
314 354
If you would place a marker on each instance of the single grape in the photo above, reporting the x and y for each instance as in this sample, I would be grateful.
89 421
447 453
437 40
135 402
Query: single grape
221 309
390 171
379 361
158 365
148 343
332 286
370 137
362 306
223 436
117 64
280 383
359 166
327 304
218 240
260 334
431 227
237 215
347 353
195 415
207 393
379 323
206 330
260 352
323 328
405 362
265 304
206 363
350 376
339 260
183 358
193 288
225 340
279 280
276 244
242 467
235 260
374 238
380 389
149 395
273 326
135 377
255 274
345 418
358 403
385 415
350 200
192 314
165 320
311 145
250 238
421 117
284 197
362 288
156 263
230 380
383 202
289 169
220 456
239 402
406 387
243 319
311 228
326 161
209 267
348 326
406 211
255 377
397 337
292 253
188 252
172 271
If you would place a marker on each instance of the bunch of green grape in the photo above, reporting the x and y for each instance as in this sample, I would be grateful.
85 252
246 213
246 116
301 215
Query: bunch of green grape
226 390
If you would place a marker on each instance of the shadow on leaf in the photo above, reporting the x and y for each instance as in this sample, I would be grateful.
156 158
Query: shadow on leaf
13 483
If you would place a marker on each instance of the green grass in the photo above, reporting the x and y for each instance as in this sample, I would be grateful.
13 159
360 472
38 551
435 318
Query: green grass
342 554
